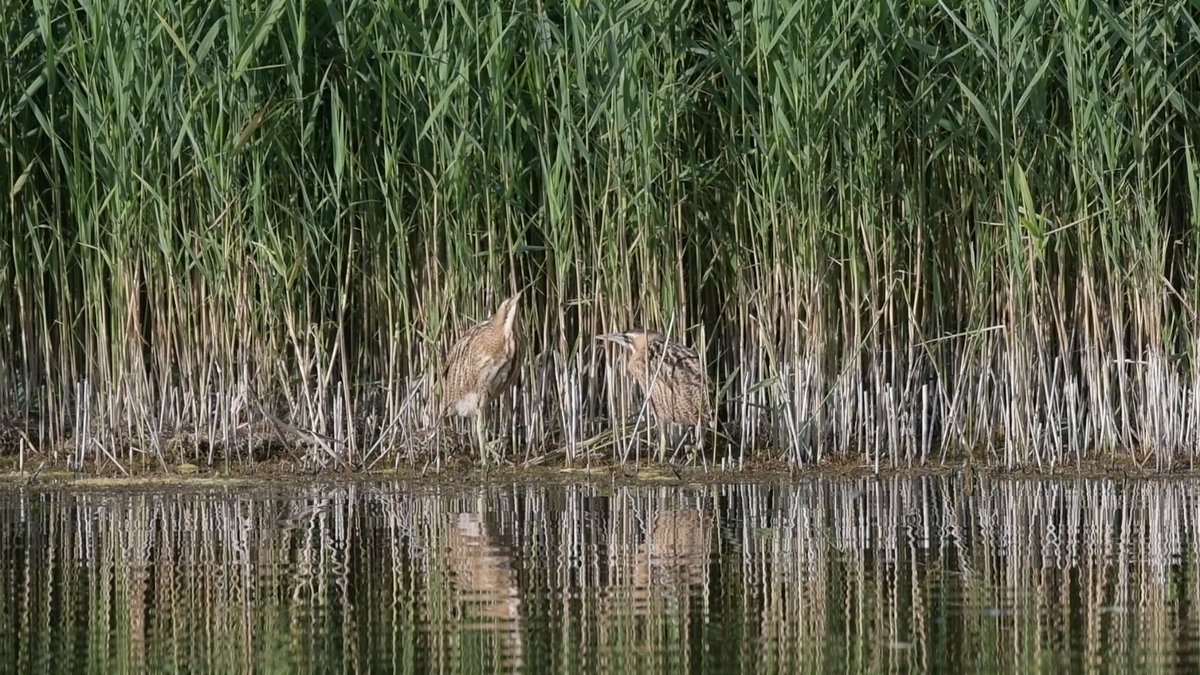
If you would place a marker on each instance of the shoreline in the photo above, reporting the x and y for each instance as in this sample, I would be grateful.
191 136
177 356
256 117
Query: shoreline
282 472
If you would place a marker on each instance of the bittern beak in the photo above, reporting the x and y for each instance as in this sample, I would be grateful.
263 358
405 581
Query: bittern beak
620 339
509 306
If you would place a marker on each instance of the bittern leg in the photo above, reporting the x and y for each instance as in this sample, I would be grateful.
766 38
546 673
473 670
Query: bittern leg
508 445
663 442
681 438
434 458
480 439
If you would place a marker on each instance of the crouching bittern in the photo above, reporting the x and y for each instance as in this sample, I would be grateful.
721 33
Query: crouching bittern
670 374
481 366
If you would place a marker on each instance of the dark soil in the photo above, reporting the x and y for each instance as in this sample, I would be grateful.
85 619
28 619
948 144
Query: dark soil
40 469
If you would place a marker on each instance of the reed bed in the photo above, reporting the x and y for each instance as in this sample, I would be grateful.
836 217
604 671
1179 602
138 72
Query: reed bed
855 575
898 232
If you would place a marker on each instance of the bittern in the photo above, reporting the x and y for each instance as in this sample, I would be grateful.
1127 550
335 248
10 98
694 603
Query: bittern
670 374
481 366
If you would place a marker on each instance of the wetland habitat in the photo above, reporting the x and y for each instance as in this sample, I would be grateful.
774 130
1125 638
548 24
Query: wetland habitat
896 234
939 264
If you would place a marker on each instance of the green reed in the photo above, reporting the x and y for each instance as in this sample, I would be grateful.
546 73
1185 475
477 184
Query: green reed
898 232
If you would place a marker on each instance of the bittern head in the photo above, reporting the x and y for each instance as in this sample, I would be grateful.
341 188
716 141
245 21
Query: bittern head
506 314
634 339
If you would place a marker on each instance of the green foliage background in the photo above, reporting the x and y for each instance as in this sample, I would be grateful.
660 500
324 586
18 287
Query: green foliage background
896 230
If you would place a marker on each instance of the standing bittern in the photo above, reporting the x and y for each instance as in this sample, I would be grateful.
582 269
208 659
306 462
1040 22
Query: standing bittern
670 374
481 366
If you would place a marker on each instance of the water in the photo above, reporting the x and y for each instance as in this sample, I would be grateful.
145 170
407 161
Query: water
856 575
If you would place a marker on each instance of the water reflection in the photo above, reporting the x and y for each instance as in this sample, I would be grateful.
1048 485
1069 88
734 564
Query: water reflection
858 575
483 579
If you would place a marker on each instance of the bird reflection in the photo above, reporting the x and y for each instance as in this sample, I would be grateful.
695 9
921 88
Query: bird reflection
676 551
484 582
665 565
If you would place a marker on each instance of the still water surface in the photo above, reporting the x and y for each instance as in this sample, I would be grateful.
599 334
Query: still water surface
854 575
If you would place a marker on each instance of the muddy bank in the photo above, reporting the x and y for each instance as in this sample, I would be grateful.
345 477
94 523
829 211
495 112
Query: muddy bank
40 471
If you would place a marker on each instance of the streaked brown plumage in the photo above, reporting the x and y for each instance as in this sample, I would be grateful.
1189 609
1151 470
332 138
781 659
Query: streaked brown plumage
482 365
670 374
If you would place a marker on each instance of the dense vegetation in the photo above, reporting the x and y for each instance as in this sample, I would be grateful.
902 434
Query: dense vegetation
897 231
